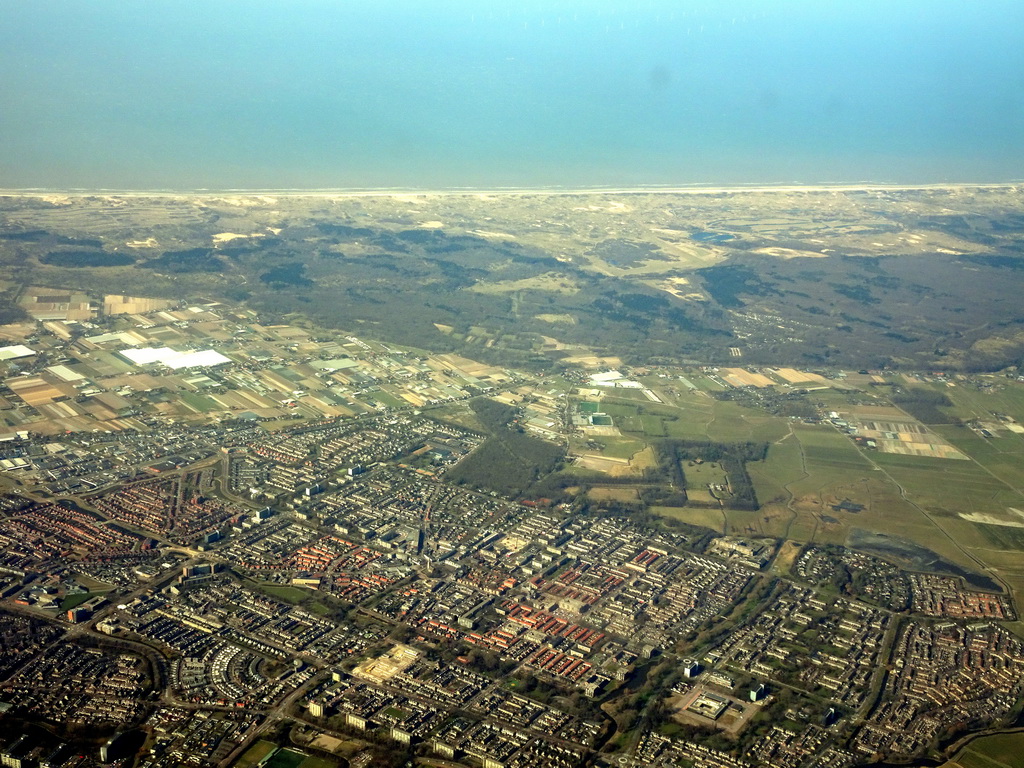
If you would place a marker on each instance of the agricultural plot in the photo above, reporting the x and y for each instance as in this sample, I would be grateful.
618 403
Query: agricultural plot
791 376
626 494
1002 750
1002 455
949 486
37 390
706 482
900 435
816 484
783 465
996 395
805 480
829 456
199 403
740 377
700 516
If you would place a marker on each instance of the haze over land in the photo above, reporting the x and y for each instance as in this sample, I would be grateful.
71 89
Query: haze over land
859 277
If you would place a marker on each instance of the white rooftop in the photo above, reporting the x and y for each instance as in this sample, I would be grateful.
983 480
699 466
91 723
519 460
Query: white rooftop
335 365
64 373
172 359
16 351
125 337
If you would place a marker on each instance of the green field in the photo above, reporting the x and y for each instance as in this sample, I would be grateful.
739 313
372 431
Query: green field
798 504
694 417
387 399
830 452
962 510
732 423
285 592
73 601
625 415
707 518
626 494
93 585
943 484
318 762
614 447
699 476
1005 750
652 425
632 395
200 403
255 753
783 465
971 403
286 758
1003 455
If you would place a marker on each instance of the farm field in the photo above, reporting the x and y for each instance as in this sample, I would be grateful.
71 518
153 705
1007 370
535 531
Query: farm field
708 518
1002 455
1005 750
700 476
816 484
811 469
996 395
614 493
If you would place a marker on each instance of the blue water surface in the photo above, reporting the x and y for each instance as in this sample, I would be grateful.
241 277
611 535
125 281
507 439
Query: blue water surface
162 94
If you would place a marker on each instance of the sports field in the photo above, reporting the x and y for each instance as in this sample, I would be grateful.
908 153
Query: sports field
271 756
257 752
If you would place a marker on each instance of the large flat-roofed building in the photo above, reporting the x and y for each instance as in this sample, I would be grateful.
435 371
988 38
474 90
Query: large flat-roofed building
172 359
708 705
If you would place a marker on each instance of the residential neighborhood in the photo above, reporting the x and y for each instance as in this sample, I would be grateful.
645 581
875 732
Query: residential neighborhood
240 546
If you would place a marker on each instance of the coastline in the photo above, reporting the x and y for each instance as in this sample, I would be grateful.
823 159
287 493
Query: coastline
342 192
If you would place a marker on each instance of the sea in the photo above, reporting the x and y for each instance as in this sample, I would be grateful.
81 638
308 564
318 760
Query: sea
481 94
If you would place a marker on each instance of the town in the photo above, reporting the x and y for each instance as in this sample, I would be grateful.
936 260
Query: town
226 542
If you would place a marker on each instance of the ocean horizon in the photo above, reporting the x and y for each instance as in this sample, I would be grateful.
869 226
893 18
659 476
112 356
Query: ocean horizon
332 192
318 95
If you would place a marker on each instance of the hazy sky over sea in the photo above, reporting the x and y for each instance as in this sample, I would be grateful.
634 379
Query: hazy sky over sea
474 93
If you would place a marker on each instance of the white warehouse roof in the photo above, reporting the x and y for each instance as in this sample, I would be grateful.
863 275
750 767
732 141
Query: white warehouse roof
173 359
